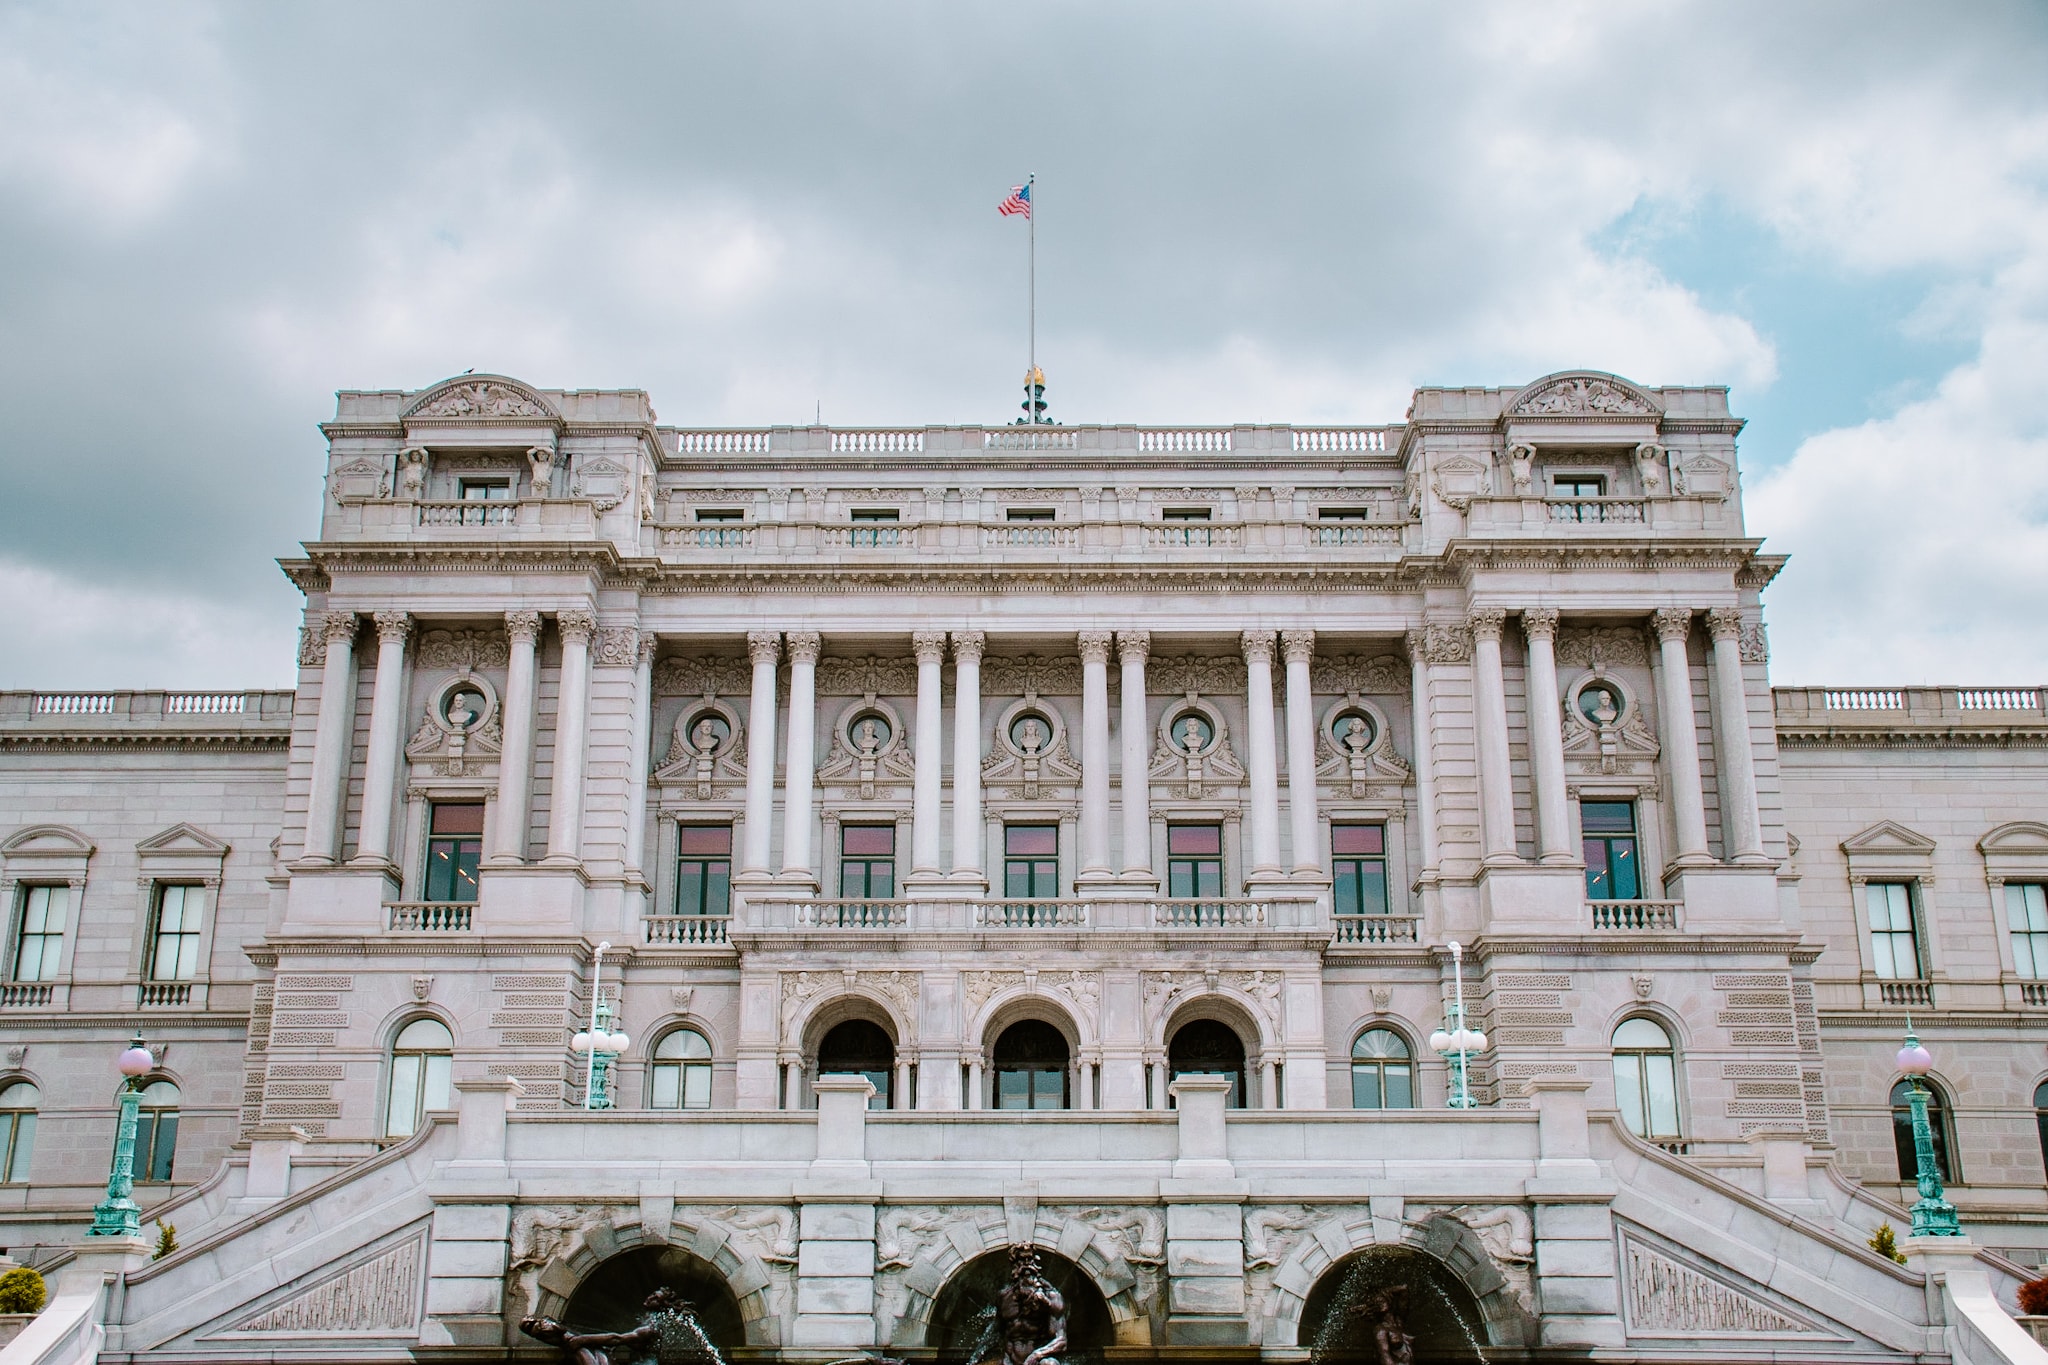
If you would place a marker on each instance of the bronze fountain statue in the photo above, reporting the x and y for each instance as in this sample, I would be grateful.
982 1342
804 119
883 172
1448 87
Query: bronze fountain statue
1030 1314
663 1307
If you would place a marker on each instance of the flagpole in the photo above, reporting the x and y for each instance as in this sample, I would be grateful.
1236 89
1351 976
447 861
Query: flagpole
1031 219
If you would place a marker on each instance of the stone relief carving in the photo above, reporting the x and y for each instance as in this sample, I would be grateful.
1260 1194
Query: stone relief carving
1665 1295
1702 476
541 469
870 748
1604 730
1355 749
1191 752
481 399
358 478
465 649
1603 647
412 474
1262 986
707 750
1441 643
1160 992
983 986
1033 673
798 989
1379 675
680 676
600 481
542 1235
378 1294
1272 1233
1029 758
616 647
1650 463
1580 395
1217 675
1083 988
1139 1235
312 644
1755 645
1521 464
870 676
1460 479
459 729
905 1233
766 1232
900 989
1505 1231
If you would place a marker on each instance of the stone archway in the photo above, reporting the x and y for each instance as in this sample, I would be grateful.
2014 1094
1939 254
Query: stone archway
609 1299
961 1327
1338 1317
960 1238
557 1251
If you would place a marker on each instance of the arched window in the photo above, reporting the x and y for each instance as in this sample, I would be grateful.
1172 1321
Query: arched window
2040 1120
156 1131
1031 1067
682 1071
1382 1076
1937 1123
1208 1047
860 1048
1646 1079
18 1104
422 1058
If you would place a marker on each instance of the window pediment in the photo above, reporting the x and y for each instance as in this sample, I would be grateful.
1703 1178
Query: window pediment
2016 852
1888 848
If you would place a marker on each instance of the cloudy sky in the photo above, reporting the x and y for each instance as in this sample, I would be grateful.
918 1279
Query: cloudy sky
211 217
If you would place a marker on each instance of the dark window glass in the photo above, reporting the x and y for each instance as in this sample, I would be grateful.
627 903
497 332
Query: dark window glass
1194 861
1185 514
1206 1047
455 844
874 514
1031 862
1382 1073
867 862
1028 514
1578 486
860 1048
1613 871
156 1131
1031 1067
485 490
1359 865
703 869
720 514
1902 1132
2041 1119
1345 514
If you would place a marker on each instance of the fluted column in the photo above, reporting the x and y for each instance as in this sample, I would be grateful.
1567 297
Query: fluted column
927 785
387 727
1741 822
1298 647
1135 781
1681 733
1094 648
801 762
968 835
572 723
643 726
1264 765
763 647
515 758
329 776
1422 652
1490 720
1546 737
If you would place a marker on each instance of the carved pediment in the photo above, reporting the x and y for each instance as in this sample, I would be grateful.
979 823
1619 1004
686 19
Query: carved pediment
1584 394
1889 837
184 838
1460 479
359 478
48 841
601 481
2019 837
1191 751
1702 476
482 397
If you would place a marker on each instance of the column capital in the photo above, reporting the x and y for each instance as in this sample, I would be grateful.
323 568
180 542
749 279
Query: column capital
1539 623
1094 646
1133 646
1486 623
1724 623
764 646
523 627
968 646
1298 645
1672 623
1257 645
1440 642
804 646
393 626
576 625
649 642
929 646
340 625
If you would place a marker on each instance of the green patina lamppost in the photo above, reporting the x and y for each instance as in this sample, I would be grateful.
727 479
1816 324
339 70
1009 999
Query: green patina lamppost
1933 1216
598 1042
117 1215
1457 1044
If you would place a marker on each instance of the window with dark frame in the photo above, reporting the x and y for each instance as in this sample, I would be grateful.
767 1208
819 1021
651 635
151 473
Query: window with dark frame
867 862
1194 861
484 490
720 514
455 845
1613 856
1578 486
1344 514
39 932
1031 862
1030 1062
875 526
1358 864
1028 514
18 1105
2026 917
703 869
174 944
1382 1071
156 1132
1894 941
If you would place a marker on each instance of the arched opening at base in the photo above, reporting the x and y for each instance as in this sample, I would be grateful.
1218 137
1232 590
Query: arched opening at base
611 1297
963 1323
1372 1294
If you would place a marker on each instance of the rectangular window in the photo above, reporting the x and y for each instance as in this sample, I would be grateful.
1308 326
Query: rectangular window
703 869
1345 514
2026 913
1194 861
174 948
1613 861
1031 862
1028 514
874 514
1578 486
720 514
455 845
1186 525
867 862
1358 857
1894 946
1184 514
875 527
485 490
39 943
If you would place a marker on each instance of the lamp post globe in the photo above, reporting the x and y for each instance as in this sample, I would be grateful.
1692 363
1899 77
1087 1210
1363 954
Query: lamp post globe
117 1215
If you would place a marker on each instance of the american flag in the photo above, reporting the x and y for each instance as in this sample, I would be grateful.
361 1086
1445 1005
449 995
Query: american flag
1018 202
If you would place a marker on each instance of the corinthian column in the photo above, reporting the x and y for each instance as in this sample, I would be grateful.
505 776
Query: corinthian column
572 715
1546 737
1132 647
1298 647
967 830
927 784
1681 733
800 765
1264 767
1094 647
515 758
329 775
1741 823
1490 720
763 646
387 725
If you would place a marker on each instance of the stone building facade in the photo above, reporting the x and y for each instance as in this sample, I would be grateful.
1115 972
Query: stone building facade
1103 799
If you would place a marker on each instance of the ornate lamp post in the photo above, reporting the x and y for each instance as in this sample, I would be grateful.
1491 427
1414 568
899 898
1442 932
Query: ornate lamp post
1933 1216
598 1042
117 1214
1457 1044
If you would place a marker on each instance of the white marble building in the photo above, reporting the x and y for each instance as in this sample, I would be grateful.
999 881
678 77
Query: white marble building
1104 799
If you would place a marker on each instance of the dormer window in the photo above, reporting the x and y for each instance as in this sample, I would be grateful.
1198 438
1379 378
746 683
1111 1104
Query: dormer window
1578 486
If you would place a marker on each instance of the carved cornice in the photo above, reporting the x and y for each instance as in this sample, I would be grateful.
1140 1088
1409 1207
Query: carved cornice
146 741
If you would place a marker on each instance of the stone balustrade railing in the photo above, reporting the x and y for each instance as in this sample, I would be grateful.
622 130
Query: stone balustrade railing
1634 915
1372 929
945 914
783 540
432 916
200 711
686 930
1802 709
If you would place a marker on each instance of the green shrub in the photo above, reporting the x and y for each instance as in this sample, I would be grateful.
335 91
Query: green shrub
1885 1242
166 1240
21 1291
